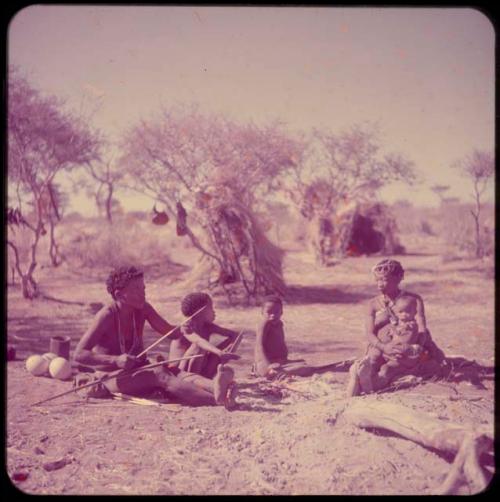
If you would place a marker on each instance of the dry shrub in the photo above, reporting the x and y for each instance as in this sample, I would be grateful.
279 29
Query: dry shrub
426 228
414 220
457 228
123 242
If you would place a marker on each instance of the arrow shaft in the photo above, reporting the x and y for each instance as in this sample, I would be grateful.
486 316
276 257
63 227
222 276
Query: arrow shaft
155 343
234 346
113 375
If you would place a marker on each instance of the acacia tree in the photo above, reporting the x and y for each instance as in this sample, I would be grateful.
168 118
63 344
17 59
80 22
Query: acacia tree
53 202
217 170
479 167
43 140
339 172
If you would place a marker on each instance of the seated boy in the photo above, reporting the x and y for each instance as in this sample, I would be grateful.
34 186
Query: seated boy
199 337
271 352
398 339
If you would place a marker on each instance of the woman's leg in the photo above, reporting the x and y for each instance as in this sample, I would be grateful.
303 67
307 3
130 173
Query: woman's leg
353 385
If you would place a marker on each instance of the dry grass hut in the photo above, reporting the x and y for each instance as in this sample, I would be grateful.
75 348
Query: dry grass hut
354 230
248 264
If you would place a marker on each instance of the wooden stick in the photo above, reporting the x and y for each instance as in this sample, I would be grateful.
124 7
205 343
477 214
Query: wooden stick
114 374
234 346
154 344
134 399
133 371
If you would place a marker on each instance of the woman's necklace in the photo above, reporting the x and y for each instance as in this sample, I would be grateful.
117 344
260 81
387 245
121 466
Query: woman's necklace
388 304
121 336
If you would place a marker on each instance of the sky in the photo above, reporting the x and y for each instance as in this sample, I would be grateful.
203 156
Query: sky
426 76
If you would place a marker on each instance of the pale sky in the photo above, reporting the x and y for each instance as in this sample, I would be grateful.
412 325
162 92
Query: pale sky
426 75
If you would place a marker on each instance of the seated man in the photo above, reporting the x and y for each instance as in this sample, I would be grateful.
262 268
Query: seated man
271 352
115 337
399 342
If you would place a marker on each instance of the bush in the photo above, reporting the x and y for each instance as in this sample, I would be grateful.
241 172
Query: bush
457 229
414 220
426 228
123 242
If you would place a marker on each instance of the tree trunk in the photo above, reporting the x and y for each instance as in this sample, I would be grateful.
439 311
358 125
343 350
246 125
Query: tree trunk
54 248
476 214
109 199
29 287
479 252
28 283
17 263
424 429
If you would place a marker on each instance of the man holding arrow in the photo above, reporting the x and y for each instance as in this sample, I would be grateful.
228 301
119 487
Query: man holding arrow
114 341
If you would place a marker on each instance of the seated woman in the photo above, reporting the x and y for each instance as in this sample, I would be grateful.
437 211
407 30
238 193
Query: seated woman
115 338
399 342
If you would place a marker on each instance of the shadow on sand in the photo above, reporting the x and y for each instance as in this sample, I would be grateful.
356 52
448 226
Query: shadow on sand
423 288
31 334
304 295
459 369
466 370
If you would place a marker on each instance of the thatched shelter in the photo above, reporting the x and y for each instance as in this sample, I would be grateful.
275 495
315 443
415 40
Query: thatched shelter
353 230
243 260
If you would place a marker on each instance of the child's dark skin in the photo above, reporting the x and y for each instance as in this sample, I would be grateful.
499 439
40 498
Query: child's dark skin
271 351
270 347
199 336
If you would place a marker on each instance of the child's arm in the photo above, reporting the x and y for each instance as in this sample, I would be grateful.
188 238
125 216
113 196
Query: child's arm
373 340
207 346
420 315
224 331
261 361
159 324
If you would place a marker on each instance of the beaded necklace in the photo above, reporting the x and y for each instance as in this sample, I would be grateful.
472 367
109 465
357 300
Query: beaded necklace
388 304
121 338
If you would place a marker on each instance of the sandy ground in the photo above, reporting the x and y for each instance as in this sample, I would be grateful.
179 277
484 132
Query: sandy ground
277 441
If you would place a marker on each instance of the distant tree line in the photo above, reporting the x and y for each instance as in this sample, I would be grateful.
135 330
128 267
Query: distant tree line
212 175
